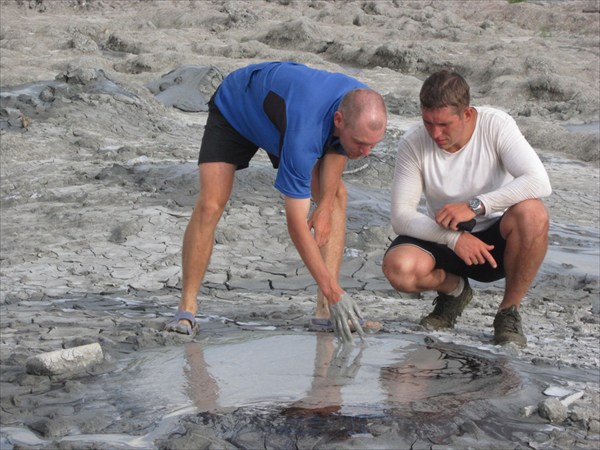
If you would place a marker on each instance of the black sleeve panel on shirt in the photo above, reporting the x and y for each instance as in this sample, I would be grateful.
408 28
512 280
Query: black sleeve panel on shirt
274 107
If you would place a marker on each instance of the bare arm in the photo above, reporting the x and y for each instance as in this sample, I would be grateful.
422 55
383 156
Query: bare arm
325 187
296 213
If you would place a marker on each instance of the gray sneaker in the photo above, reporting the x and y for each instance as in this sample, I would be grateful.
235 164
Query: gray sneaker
447 309
507 327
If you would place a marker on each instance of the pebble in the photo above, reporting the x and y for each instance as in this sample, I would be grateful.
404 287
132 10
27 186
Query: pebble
51 427
529 410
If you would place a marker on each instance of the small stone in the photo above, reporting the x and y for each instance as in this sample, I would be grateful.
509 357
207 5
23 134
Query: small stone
594 426
470 428
579 414
528 410
553 410
50 428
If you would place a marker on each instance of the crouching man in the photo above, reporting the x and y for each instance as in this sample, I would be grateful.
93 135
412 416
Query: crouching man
470 163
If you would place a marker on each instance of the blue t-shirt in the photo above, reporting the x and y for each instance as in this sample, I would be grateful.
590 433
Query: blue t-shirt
286 109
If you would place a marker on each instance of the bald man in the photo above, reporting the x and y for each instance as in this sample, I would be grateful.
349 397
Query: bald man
309 122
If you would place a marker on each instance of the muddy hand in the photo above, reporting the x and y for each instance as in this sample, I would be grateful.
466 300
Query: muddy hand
341 313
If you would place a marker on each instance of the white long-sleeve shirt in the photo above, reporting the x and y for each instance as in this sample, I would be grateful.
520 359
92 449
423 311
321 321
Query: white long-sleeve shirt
497 165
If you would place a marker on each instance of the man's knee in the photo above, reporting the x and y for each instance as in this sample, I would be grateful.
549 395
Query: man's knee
401 270
530 218
392 268
208 210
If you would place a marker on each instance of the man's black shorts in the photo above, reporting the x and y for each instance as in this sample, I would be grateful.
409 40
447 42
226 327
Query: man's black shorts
222 143
446 259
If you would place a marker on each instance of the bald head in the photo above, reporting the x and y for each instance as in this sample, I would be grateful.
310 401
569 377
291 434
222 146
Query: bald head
360 122
365 106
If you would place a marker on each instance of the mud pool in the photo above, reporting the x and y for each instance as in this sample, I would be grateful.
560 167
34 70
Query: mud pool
249 384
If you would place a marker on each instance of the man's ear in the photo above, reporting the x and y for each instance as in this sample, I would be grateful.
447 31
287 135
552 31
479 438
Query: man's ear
338 119
469 113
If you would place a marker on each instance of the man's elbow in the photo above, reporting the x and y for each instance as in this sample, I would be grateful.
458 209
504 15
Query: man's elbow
398 225
539 186
546 188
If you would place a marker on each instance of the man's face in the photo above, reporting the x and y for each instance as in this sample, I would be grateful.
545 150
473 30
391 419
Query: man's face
357 141
446 127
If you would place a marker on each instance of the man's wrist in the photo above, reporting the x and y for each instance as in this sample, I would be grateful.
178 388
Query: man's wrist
477 206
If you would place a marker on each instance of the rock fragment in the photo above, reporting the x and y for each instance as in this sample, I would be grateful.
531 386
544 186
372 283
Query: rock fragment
553 410
67 361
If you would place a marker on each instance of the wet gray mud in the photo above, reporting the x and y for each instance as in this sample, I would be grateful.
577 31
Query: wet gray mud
98 180
255 378
259 385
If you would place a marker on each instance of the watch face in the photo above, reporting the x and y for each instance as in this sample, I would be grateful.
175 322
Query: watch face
475 205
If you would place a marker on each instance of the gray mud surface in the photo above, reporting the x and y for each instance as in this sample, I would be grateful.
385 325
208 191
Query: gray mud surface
101 118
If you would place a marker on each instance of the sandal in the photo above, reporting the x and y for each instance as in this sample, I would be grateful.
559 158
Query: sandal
177 327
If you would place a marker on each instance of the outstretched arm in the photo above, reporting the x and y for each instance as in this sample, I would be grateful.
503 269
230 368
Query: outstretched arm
341 307
296 213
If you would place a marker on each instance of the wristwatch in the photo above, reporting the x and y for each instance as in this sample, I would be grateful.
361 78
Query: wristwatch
476 206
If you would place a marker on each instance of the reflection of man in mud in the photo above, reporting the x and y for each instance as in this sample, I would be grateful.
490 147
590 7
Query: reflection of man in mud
427 382
431 383
334 368
201 387
419 389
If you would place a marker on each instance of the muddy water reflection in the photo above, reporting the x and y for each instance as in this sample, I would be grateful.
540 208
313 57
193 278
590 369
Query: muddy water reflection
313 374
306 391
265 389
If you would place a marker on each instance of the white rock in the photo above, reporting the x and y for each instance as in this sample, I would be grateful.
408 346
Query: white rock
571 398
70 360
529 410
557 391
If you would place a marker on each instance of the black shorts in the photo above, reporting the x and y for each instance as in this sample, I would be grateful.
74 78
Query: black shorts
222 143
446 259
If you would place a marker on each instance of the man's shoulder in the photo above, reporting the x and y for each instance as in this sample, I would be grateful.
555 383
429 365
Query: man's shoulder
414 134
491 114
414 130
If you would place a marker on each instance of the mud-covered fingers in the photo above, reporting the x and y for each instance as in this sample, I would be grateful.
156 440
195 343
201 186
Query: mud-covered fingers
346 333
341 328
357 326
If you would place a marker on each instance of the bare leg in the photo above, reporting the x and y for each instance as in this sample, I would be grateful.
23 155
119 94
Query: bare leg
216 182
525 228
410 269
